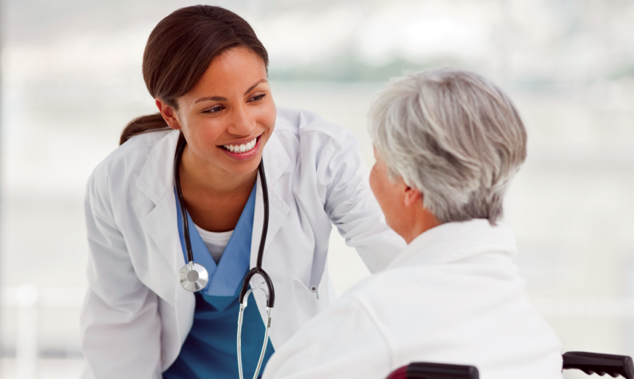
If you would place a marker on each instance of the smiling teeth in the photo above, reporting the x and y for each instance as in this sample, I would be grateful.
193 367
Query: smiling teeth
241 148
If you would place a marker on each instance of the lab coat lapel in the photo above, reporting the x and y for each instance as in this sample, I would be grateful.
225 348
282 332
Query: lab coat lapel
276 162
160 224
156 182
278 209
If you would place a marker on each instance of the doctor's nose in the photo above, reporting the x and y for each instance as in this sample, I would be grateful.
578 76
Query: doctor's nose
242 122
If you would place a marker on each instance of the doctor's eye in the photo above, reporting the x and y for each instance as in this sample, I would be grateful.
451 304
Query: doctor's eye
214 109
257 97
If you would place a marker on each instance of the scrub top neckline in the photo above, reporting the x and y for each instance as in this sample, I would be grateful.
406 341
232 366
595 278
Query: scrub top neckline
215 242
225 277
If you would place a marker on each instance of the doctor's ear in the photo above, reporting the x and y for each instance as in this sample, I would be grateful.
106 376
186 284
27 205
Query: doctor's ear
169 114
412 196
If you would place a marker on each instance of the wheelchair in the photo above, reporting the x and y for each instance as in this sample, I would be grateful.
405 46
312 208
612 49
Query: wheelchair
590 363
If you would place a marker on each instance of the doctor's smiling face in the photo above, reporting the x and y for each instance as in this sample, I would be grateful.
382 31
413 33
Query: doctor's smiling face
228 116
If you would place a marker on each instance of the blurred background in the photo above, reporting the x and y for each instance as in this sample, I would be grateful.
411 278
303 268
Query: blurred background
71 80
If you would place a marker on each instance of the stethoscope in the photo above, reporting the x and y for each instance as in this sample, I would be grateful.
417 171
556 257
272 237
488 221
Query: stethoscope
194 277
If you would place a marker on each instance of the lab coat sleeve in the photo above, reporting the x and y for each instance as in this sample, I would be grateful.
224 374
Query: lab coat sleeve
120 323
351 205
343 341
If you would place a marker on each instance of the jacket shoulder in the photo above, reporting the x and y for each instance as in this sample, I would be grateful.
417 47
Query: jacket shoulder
304 125
126 161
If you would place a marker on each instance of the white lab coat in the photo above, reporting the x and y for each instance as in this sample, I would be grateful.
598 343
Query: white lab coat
453 296
136 315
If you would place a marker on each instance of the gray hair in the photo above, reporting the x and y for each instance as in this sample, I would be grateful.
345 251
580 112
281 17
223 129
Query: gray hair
454 136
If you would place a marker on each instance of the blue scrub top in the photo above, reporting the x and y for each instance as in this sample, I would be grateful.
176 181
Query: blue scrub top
210 350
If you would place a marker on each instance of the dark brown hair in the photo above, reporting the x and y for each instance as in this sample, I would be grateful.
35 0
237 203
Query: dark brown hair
179 50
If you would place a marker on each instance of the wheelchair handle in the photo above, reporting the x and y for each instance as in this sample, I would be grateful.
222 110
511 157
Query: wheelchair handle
601 364
424 370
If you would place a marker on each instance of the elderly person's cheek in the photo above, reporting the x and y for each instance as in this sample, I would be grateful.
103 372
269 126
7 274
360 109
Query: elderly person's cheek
379 183
375 183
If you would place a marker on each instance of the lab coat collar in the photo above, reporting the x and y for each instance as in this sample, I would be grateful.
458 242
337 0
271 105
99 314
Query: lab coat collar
455 241
156 179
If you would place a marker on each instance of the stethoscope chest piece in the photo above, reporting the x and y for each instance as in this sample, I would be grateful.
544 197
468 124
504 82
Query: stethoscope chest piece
193 277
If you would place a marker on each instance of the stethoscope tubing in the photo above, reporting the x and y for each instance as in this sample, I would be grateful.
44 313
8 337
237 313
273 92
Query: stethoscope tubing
269 312
180 147
257 270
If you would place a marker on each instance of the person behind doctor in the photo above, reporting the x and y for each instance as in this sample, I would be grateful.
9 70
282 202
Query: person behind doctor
207 72
447 144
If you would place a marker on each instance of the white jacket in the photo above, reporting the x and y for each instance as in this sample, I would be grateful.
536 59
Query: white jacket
136 315
453 296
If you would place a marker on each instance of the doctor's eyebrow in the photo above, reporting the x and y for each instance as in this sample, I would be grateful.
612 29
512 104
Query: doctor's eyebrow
220 98
255 85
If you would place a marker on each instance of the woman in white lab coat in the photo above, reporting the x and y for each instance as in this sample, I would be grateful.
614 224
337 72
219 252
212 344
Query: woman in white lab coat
207 72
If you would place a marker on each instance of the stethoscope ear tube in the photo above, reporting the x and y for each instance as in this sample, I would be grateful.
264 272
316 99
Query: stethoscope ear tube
258 266
270 301
180 147
257 270
193 277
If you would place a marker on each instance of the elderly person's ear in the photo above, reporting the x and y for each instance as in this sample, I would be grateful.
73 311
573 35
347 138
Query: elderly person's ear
413 197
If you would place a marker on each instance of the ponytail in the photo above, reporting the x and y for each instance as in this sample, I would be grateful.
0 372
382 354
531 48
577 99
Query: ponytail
143 124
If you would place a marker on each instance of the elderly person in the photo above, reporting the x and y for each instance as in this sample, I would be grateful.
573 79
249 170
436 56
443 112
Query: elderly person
447 144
